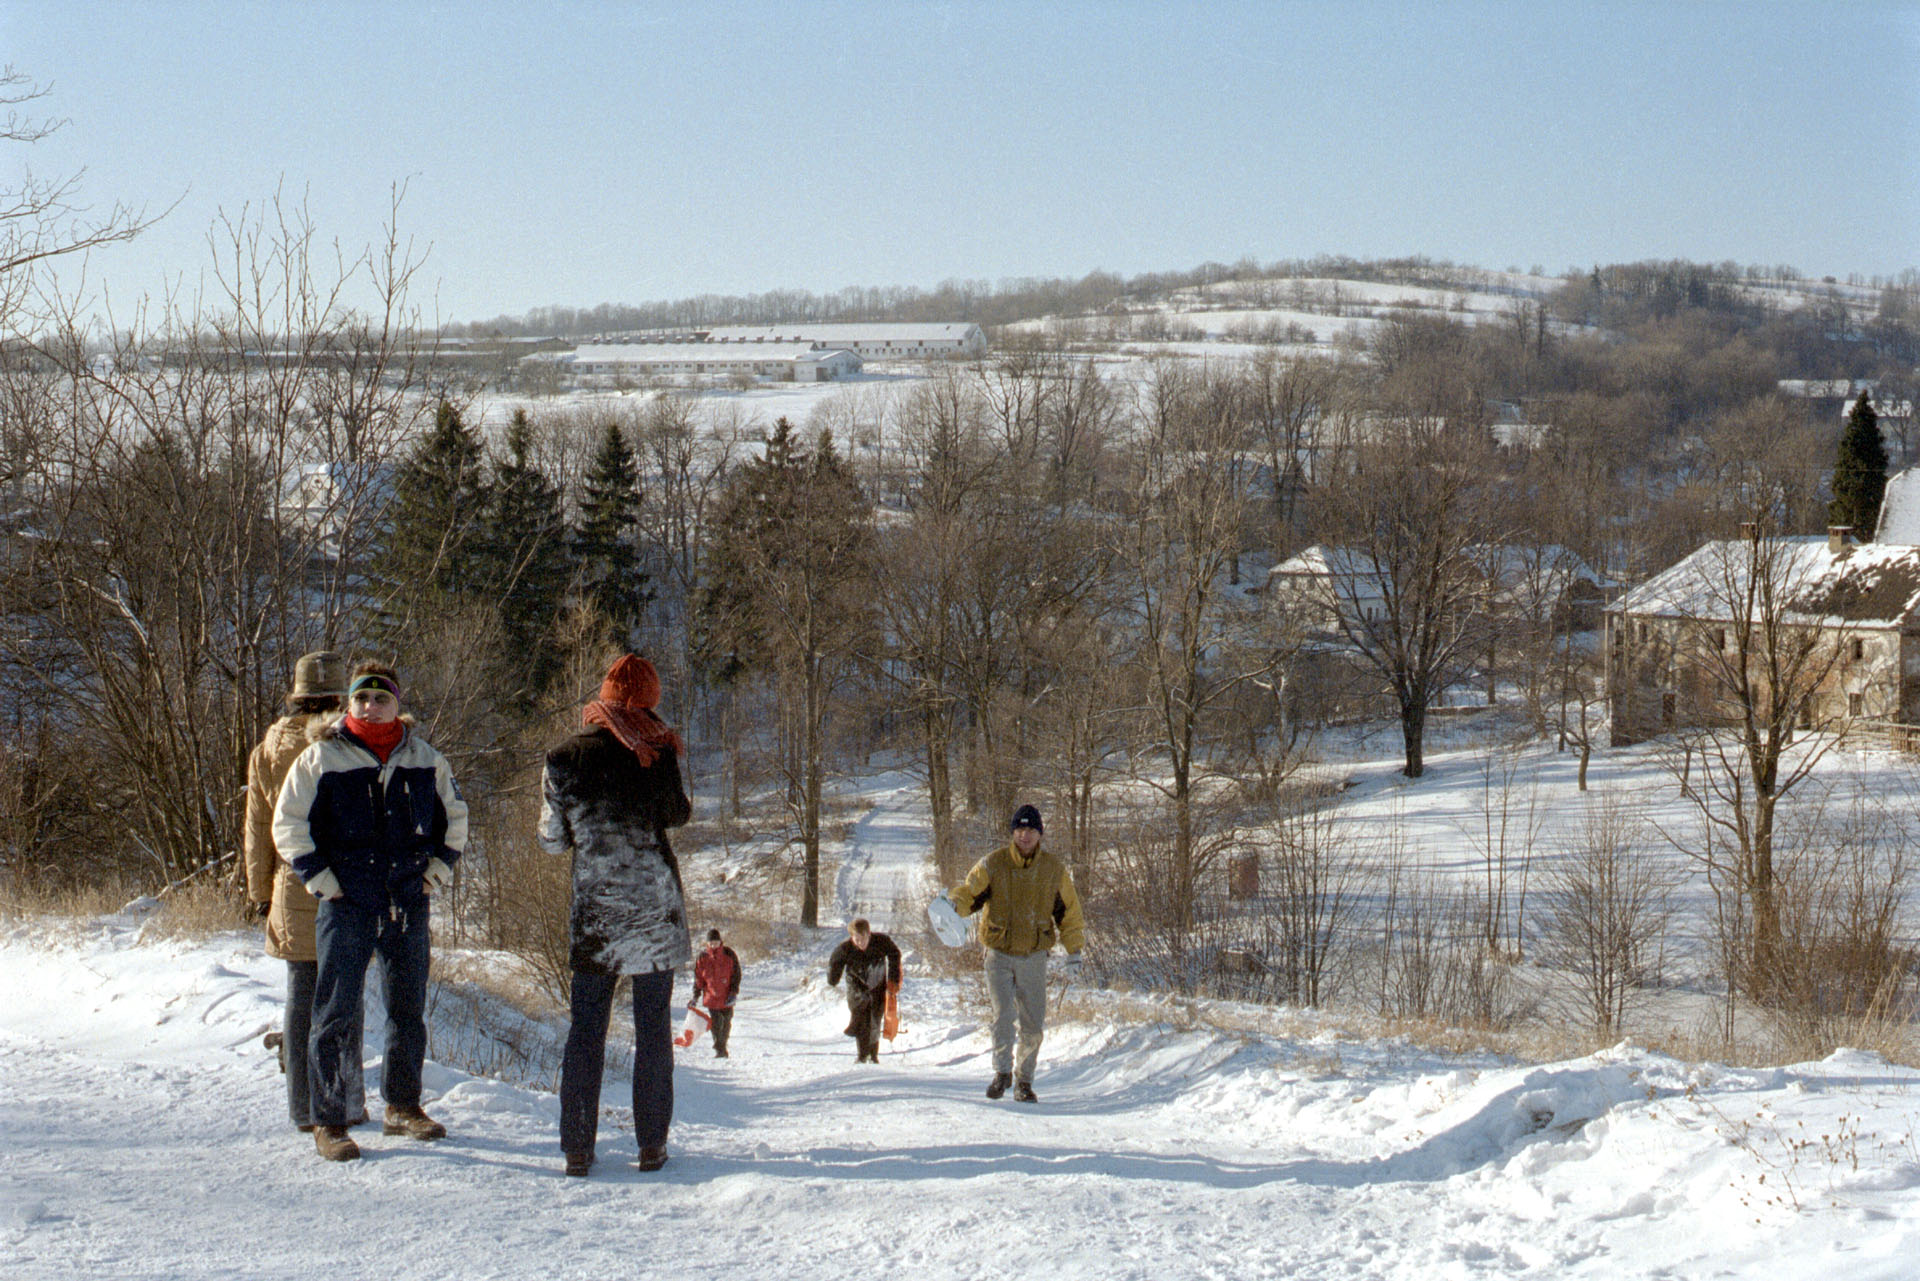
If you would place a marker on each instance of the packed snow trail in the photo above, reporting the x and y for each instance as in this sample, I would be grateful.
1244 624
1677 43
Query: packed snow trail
143 1134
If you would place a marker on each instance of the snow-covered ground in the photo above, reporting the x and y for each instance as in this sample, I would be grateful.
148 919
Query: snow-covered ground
143 1134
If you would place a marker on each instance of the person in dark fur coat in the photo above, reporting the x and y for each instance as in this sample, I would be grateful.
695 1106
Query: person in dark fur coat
870 962
609 795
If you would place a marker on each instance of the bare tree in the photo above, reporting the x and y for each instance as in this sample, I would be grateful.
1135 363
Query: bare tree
42 218
181 568
1176 546
784 597
1749 641
1406 594
1606 911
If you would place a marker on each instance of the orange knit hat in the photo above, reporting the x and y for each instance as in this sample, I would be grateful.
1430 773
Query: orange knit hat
632 682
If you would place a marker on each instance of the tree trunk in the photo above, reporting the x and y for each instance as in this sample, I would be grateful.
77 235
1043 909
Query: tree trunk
938 738
1413 732
810 805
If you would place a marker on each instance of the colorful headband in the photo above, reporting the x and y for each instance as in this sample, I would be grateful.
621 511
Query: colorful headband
373 680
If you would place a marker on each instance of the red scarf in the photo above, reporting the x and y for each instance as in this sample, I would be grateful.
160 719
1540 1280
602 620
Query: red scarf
380 739
637 728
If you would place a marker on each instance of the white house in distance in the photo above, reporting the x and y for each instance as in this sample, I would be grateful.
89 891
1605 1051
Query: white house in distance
1333 590
876 341
611 364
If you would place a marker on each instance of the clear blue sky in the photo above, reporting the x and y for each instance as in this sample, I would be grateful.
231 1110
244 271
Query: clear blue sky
618 152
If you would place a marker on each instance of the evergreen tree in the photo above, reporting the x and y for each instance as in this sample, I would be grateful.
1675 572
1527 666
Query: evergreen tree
1859 472
529 562
436 525
788 598
603 542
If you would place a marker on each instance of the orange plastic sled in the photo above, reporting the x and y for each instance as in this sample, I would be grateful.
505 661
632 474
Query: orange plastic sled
697 1022
890 1021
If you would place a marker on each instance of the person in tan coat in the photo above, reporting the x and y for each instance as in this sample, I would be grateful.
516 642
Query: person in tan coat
274 892
1027 903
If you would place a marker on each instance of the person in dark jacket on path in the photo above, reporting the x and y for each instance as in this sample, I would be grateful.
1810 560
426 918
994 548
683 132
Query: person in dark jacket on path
371 822
275 893
716 982
1027 903
871 962
609 795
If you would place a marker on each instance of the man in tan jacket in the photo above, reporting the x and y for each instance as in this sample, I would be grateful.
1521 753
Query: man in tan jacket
1027 903
319 685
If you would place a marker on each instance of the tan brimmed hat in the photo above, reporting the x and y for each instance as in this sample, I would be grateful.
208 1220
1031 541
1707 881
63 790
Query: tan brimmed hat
320 674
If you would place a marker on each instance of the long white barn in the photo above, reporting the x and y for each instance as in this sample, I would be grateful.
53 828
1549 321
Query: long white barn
877 341
604 364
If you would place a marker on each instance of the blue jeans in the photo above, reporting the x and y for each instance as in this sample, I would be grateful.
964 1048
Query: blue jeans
296 1030
347 938
585 1062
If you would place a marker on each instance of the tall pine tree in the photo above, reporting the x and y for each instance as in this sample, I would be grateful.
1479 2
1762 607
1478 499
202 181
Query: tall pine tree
604 540
529 562
788 598
1859 472
435 535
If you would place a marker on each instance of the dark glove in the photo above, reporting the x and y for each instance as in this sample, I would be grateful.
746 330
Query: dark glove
259 910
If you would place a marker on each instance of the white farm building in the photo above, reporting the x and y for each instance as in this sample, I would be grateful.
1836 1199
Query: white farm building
877 341
610 364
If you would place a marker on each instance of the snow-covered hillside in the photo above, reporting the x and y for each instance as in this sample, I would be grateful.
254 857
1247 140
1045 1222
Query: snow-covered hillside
145 1136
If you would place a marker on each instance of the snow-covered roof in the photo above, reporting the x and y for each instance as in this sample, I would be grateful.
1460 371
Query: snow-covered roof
1900 509
1822 388
1322 561
1884 407
877 332
676 352
1872 583
1509 563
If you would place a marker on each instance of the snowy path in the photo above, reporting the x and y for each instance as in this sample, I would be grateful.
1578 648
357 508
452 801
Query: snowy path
142 1134
886 876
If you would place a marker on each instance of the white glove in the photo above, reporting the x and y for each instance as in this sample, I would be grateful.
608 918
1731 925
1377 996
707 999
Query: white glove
326 886
438 875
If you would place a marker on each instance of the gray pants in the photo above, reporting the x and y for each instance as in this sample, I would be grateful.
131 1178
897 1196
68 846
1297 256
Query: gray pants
1017 988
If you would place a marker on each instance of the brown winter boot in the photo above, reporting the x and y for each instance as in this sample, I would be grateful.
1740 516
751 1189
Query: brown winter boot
653 1158
579 1164
413 1123
333 1143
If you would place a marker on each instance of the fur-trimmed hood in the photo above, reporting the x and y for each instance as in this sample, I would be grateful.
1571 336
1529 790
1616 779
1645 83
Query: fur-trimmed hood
327 725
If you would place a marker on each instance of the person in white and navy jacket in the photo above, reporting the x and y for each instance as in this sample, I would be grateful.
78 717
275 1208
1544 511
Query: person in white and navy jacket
371 822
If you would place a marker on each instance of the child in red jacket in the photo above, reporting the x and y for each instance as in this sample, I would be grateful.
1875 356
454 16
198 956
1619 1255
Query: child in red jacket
716 982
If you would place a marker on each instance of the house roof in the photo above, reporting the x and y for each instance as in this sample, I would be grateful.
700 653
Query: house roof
1900 509
1547 564
676 353
1874 583
880 331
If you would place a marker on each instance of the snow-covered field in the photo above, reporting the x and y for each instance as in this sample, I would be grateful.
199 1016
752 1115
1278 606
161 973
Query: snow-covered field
143 1133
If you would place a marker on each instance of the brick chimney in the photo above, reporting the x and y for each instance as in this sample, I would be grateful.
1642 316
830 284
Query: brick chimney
1837 539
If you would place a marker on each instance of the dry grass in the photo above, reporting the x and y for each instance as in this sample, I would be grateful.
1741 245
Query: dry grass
194 910
23 899
1529 1041
197 910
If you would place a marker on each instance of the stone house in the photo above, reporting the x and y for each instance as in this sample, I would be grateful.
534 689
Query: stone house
1853 609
